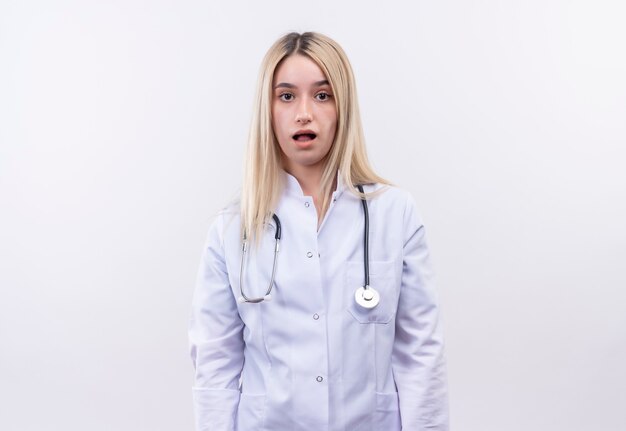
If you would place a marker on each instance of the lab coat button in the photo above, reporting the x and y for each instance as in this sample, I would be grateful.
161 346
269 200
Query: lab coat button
316 316
306 204
309 254
319 378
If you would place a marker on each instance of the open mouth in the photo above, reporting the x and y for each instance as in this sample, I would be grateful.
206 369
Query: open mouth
304 137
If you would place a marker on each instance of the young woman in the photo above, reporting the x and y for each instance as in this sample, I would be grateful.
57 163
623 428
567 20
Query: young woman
314 307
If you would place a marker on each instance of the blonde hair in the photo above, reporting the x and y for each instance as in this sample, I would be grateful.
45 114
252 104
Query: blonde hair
262 182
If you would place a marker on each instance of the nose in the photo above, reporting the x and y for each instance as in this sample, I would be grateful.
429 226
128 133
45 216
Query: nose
303 114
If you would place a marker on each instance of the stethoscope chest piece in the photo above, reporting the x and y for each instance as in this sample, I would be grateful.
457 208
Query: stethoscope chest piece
367 298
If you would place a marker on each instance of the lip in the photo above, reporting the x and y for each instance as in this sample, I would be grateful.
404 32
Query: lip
304 144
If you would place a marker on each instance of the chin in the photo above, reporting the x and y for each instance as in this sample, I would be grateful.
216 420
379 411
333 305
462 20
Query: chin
307 162
303 161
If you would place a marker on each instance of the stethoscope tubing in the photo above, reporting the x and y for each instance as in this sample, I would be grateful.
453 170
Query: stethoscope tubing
366 236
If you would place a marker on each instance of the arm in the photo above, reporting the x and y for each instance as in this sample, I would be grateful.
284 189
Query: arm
418 357
215 340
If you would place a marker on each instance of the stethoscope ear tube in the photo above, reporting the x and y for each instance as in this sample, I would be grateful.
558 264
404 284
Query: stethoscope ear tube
244 250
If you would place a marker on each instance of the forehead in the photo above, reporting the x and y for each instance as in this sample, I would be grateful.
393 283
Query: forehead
298 69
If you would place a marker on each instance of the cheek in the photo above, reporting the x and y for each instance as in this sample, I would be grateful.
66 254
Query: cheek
276 125
331 120
280 122
332 126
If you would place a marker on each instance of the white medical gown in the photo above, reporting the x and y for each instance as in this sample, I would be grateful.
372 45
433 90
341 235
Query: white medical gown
311 358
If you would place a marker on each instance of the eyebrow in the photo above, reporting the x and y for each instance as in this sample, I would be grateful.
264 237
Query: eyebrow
288 85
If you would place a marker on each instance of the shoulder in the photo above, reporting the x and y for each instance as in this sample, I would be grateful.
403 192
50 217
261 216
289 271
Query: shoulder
397 201
392 194
225 223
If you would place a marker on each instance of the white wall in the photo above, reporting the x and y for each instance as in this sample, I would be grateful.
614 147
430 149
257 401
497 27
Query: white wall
122 127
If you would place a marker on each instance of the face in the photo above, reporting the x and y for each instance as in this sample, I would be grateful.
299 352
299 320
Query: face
304 116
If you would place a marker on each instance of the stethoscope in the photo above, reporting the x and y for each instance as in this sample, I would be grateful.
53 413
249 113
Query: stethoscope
366 296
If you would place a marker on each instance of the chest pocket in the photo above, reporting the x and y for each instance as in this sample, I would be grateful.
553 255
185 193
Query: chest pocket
383 279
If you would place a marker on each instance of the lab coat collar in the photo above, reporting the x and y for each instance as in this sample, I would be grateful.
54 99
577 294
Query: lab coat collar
292 186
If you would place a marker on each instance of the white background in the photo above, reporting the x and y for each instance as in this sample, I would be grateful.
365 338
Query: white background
122 129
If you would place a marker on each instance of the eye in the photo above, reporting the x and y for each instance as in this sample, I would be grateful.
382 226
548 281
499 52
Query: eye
323 96
286 97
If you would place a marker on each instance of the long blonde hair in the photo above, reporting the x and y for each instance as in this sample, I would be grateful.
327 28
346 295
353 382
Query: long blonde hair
262 182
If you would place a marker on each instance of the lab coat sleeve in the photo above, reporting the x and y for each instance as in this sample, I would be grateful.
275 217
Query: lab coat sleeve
215 340
418 361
